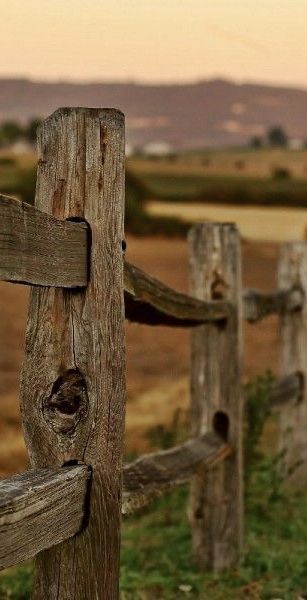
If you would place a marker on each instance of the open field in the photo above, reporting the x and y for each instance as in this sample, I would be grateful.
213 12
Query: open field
158 358
255 222
246 177
226 162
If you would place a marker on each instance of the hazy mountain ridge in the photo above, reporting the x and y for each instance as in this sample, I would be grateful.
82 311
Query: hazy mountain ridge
207 113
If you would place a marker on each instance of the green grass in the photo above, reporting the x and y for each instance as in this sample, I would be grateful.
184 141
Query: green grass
156 552
18 180
15 584
156 558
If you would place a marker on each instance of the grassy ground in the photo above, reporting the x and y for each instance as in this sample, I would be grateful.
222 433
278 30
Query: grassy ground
156 561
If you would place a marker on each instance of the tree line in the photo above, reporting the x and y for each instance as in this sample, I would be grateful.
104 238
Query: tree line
12 131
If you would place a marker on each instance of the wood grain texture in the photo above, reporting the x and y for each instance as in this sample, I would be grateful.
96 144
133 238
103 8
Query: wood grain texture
216 501
153 474
39 509
292 272
39 249
149 301
73 381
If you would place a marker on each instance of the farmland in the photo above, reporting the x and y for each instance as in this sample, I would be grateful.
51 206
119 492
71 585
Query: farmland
246 177
157 410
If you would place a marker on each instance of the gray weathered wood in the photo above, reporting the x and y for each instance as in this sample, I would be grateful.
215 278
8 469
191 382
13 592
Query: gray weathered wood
153 474
216 500
73 386
288 389
292 272
38 249
39 509
258 305
149 301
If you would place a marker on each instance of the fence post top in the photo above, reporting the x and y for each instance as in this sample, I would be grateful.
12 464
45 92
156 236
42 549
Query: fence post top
91 112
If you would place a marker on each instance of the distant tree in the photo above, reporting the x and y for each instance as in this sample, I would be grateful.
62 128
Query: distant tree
10 131
31 129
281 173
277 137
256 142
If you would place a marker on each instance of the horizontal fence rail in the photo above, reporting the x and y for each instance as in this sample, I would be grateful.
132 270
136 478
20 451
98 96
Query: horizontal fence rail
39 509
38 249
153 474
287 389
258 305
149 301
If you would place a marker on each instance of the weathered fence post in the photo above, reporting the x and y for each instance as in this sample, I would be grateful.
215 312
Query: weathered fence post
292 273
73 377
216 499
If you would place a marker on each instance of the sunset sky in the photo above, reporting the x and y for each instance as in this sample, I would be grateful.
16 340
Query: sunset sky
155 40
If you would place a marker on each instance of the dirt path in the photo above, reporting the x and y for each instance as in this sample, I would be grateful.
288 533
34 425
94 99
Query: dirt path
157 358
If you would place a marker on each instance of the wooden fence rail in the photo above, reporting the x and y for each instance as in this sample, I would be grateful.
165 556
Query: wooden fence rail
39 509
66 510
151 302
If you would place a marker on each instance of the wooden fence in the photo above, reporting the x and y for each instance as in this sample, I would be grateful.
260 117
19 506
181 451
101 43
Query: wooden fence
67 509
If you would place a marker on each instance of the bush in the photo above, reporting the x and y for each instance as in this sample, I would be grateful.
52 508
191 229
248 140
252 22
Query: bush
281 173
26 183
21 183
138 222
7 161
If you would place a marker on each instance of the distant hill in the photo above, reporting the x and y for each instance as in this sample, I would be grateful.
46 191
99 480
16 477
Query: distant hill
208 113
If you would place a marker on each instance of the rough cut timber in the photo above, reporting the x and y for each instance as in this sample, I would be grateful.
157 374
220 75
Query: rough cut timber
149 301
73 381
258 305
216 500
39 509
292 272
38 249
153 474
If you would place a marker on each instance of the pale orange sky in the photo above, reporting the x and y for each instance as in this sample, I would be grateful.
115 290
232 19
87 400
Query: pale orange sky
155 40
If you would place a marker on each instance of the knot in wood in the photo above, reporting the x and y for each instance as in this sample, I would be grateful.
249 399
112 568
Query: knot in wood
67 404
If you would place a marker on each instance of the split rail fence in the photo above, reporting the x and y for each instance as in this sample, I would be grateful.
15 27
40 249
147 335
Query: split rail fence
66 510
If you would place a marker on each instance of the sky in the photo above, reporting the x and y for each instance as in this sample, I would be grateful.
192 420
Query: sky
155 40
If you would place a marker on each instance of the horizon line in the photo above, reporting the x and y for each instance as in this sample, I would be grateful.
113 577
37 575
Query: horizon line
154 83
